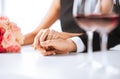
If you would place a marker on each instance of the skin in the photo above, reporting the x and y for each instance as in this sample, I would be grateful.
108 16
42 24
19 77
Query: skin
51 42
42 31
47 21
106 6
57 46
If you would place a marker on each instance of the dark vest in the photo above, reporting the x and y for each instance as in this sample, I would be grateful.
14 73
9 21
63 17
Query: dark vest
69 25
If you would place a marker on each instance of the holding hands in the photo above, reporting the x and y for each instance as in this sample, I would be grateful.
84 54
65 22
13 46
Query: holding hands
50 42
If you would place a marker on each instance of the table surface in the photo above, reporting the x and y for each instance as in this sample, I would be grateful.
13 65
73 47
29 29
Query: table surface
30 64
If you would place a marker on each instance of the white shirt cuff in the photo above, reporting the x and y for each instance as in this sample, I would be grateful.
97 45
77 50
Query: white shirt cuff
79 44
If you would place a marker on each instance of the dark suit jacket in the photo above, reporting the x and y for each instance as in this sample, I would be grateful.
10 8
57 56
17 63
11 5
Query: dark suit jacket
69 25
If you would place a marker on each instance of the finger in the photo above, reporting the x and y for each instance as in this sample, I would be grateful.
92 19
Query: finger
44 35
50 35
56 35
47 53
48 43
41 48
36 42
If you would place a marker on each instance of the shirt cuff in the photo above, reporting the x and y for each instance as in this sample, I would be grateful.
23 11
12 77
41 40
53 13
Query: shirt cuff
79 44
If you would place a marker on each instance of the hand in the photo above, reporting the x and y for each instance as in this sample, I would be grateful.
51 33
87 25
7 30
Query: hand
47 34
106 6
58 46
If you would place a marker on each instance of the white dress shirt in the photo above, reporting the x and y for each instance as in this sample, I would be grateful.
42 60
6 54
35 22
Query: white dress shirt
79 44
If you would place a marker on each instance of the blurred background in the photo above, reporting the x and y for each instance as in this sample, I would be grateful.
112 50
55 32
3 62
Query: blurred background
27 14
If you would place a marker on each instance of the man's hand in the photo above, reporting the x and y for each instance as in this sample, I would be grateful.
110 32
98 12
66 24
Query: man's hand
58 46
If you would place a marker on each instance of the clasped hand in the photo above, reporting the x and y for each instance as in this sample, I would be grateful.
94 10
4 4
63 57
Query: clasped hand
51 42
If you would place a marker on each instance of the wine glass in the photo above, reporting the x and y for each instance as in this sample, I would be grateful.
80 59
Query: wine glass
106 23
84 13
89 16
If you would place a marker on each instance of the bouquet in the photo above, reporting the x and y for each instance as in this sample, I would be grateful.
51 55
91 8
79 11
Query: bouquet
11 37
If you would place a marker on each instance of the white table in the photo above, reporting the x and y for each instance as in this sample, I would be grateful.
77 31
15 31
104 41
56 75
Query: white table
29 64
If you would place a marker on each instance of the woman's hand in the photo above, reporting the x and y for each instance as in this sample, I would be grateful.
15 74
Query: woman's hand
47 34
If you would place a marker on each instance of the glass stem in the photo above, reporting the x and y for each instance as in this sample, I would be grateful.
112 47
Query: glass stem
104 47
104 42
90 47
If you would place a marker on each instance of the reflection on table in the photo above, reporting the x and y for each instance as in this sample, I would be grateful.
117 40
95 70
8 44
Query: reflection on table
30 64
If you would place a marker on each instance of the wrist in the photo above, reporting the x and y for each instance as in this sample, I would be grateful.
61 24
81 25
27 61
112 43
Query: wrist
28 38
72 46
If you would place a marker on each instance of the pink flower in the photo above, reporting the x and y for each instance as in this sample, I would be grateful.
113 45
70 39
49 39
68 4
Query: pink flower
4 19
8 39
14 27
2 50
1 38
13 48
10 43
17 32
11 37
2 31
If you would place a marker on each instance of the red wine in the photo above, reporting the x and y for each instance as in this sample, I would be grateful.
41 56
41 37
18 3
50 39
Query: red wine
97 22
